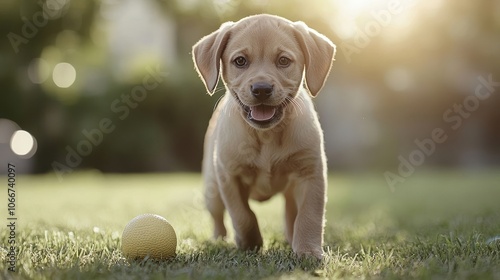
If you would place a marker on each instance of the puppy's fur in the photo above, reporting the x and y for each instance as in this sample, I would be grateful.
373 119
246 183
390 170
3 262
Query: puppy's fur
264 136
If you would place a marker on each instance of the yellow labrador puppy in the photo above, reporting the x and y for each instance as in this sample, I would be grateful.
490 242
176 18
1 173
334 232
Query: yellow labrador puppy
264 136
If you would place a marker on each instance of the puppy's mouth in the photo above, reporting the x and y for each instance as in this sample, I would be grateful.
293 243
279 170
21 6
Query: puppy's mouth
261 113
262 116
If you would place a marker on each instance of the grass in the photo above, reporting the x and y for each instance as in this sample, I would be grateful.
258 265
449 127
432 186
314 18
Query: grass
434 226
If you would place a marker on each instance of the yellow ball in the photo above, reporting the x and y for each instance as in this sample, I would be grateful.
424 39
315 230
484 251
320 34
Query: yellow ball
149 235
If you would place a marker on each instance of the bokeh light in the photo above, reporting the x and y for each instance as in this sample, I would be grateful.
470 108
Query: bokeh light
399 79
7 128
64 75
23 144
55 8
38 71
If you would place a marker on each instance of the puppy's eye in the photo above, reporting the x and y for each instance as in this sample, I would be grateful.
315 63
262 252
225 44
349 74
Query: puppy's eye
240 61
284 61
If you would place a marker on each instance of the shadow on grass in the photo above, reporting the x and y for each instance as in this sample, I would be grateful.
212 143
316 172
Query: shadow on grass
218 259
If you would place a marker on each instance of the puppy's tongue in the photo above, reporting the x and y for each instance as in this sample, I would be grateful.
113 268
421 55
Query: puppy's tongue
262 112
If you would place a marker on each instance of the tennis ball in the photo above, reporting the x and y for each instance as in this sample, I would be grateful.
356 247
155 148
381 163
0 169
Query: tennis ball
149 235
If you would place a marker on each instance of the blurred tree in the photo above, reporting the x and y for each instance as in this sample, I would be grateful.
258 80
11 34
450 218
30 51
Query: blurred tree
393 89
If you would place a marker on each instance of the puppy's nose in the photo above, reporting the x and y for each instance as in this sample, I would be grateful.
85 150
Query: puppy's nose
261 91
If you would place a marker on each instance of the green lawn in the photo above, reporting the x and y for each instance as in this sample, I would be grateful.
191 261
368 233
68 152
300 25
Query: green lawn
436 225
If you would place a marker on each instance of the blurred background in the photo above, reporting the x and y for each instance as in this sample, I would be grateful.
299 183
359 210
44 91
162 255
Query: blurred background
110 85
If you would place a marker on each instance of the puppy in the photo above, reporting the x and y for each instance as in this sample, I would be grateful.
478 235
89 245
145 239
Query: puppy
264 136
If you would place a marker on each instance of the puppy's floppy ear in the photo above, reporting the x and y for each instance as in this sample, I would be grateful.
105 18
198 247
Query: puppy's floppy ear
207 54
319 52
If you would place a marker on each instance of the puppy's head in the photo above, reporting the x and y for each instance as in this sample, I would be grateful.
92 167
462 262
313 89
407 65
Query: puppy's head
264 59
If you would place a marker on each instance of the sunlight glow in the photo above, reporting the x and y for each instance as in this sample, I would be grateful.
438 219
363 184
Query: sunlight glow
354 8
365 16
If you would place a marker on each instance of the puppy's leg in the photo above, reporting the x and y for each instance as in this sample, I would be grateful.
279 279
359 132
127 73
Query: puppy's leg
308 228
235 196
290 213
216 208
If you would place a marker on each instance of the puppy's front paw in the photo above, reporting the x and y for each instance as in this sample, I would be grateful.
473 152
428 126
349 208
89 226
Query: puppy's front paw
251 240
316 252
